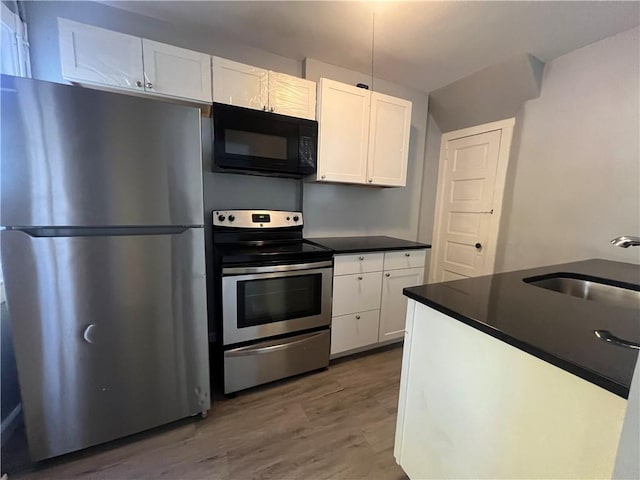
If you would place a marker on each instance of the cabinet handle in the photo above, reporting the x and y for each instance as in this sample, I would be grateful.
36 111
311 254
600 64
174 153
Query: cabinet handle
370 180
407 254
88 335
387 274
264 108
359 278
271 109
357 317
322 177
360 258
478 246
149 85
138 83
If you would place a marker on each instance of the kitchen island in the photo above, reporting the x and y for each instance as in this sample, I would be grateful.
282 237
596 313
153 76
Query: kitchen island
502 378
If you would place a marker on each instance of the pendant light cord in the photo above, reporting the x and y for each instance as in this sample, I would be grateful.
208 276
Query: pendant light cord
373 32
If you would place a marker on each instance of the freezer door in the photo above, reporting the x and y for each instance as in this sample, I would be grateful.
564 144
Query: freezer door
110 334
74 156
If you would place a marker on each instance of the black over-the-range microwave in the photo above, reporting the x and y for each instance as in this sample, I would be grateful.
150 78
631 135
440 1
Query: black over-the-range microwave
254 141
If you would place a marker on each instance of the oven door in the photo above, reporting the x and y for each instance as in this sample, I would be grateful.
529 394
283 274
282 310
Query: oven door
260 302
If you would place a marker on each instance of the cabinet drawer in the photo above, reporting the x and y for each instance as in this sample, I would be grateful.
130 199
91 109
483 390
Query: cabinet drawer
404 259
356 293
354 331
358 263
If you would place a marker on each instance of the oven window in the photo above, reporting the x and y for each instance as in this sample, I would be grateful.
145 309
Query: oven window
278 299
251 144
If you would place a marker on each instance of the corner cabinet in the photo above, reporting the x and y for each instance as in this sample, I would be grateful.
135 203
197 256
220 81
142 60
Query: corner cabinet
247 86
95 56
369 308
363 136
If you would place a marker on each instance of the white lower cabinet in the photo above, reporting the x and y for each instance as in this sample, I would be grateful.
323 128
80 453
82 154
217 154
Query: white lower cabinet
473 406
368 305
394 304
356 293
355 330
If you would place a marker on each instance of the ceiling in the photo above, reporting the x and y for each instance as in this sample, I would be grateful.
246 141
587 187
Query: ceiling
424 45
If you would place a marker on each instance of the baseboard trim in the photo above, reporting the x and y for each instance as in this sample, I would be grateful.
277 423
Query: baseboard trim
10 423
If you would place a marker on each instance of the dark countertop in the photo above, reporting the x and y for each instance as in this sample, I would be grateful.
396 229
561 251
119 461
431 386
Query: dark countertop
552 326
366 244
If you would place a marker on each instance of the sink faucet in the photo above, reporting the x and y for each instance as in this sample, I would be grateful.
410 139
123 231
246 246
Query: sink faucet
626 241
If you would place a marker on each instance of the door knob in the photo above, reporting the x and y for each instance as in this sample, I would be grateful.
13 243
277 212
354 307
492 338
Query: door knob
149 85
478 245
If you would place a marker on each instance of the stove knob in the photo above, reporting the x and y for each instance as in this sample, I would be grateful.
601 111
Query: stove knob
231 218
221 218
296 218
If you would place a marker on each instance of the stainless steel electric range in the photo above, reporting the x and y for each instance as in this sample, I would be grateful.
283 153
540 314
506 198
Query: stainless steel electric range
272 294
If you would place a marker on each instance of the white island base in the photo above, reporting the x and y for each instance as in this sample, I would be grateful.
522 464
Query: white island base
472 406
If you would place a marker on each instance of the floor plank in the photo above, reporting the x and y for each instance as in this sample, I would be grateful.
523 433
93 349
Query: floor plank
334 424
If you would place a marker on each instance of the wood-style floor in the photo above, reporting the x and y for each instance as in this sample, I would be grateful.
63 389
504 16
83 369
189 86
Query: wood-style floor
335 424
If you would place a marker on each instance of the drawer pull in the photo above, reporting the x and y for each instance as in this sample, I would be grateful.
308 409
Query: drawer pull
360 258
359 278
407 254
357 317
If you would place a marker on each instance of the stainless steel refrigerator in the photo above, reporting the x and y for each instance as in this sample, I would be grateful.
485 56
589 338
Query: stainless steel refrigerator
103 259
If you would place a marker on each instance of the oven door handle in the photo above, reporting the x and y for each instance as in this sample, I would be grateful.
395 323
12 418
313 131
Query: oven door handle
274 268
269 347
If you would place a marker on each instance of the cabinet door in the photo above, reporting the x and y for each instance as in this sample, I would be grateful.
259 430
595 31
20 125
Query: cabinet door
289 95
394 303
239 84
388 140
354 331
94 55
343 117
175 71
356 293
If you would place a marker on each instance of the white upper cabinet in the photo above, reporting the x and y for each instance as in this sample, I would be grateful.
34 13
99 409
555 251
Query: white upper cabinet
293 96
388 140
251 87
343 132
363 136
94 55
239 84
175 71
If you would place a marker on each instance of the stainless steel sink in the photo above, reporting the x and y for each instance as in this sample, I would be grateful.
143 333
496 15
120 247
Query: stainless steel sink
590 288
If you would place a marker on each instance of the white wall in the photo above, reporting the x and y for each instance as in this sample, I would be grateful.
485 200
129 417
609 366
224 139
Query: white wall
343 210
574 175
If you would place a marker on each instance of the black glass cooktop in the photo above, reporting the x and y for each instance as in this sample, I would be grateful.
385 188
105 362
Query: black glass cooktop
273 253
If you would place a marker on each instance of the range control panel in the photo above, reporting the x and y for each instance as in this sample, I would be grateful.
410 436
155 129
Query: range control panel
256 218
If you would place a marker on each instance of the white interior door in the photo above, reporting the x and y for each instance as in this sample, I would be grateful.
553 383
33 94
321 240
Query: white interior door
389 130
471 182
239 84
175 71
343 132
95 55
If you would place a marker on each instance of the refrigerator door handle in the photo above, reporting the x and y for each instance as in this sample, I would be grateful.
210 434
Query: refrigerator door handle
101 231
